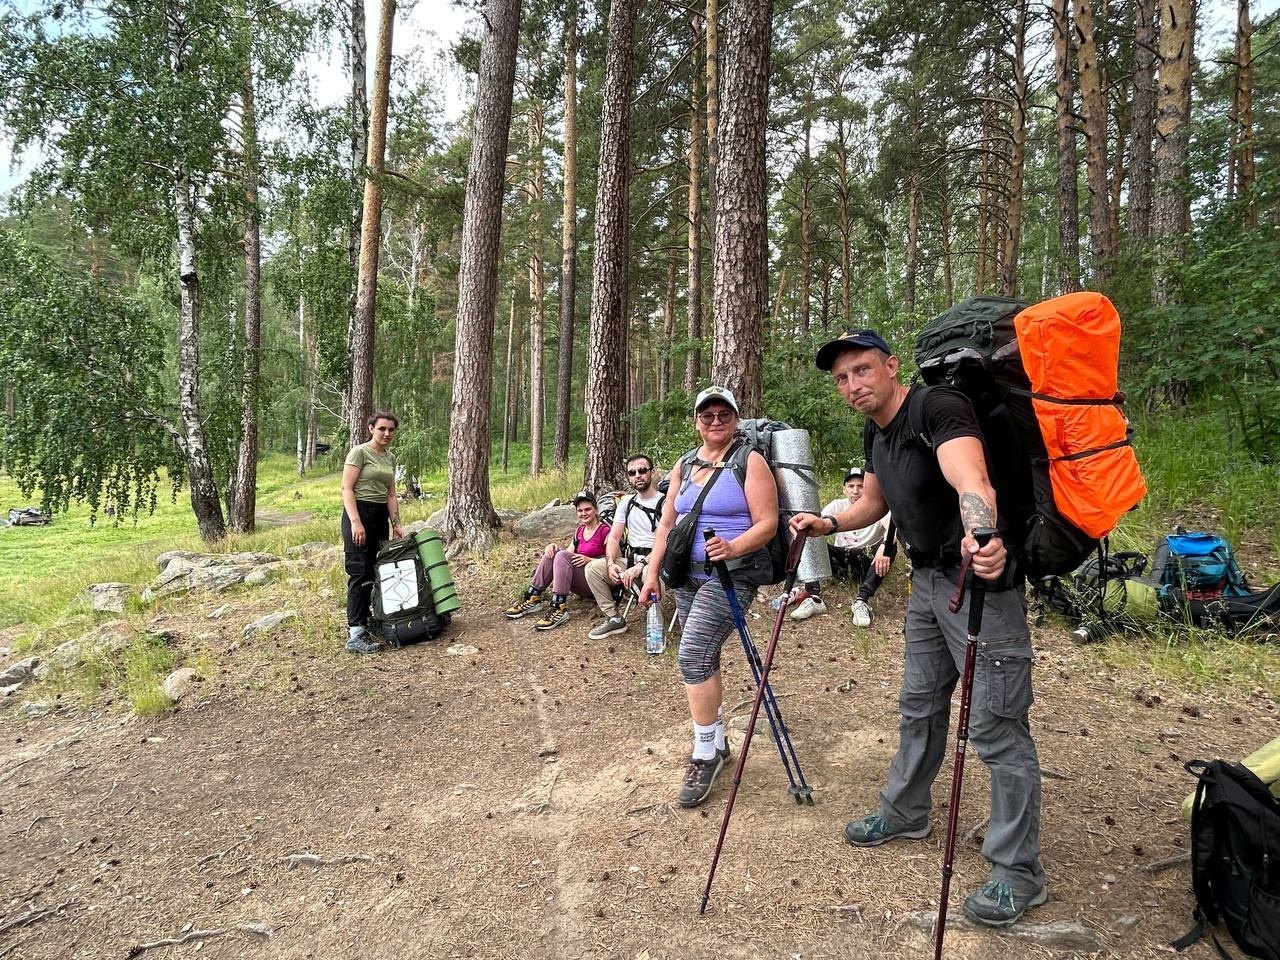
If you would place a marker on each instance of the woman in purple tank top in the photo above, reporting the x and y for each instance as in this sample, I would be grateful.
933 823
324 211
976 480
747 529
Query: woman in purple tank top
744 517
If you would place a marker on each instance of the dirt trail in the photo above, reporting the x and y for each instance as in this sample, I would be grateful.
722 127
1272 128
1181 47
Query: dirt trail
515 803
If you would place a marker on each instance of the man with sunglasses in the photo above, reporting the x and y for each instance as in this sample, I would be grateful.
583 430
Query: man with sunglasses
622 565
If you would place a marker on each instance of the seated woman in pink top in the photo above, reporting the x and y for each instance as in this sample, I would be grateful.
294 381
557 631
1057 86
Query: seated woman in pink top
564 571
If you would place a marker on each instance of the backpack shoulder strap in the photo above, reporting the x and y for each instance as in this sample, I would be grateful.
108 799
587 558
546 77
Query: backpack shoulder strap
915 416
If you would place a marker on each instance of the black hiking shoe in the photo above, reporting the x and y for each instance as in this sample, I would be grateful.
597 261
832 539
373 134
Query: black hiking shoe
531 602
996 905
699 778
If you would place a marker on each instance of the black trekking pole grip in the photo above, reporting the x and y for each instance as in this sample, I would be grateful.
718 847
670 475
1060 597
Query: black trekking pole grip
983 536
721 568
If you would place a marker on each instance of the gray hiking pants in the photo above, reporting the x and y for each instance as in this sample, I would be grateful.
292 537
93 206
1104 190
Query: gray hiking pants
998 726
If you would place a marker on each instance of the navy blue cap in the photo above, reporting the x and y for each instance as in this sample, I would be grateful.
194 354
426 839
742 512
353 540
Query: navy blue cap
852 339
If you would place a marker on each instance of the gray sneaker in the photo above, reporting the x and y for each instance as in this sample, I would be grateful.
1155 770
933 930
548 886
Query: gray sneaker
362 644
699 778
871 831
608 628
996 905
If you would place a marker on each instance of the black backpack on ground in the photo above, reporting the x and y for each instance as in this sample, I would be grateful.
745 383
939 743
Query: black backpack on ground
1235 858
403 610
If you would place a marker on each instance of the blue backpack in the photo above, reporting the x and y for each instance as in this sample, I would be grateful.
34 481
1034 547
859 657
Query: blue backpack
1200 566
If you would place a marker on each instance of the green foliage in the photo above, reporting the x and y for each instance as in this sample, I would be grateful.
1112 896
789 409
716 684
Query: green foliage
83 365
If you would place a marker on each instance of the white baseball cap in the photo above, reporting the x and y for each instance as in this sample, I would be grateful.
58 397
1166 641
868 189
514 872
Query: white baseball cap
715 393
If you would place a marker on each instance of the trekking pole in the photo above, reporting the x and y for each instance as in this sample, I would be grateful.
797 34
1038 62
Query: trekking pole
793 561
977 593
800 791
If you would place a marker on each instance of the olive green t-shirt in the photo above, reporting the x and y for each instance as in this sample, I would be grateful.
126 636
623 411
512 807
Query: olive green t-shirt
377 473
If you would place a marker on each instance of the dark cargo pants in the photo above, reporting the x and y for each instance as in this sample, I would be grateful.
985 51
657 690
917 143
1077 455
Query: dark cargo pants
998 726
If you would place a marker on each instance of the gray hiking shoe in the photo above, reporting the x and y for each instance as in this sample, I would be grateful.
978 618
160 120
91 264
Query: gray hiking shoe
608 628
699 778
996 905
362 644
871 831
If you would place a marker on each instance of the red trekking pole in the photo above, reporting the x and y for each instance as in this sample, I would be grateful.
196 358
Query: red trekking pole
978 592
793 563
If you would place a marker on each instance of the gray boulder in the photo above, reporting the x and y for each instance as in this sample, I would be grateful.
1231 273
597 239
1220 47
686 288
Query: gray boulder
180 683
548 524
110 637
17 675
269 622
108 597
307 549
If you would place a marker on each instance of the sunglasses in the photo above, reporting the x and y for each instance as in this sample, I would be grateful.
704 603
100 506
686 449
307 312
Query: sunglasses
638 472
719 416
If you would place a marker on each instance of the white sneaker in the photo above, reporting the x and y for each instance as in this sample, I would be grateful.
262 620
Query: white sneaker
812 606
861 613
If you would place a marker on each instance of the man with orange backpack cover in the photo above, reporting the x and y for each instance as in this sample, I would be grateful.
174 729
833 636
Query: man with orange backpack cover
940 493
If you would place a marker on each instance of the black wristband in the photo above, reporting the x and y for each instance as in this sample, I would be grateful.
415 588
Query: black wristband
835 524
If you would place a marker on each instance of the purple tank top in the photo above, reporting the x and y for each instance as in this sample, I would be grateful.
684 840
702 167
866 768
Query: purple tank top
725 510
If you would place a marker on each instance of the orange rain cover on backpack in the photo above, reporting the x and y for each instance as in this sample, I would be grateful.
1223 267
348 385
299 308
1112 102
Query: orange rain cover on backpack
1070 348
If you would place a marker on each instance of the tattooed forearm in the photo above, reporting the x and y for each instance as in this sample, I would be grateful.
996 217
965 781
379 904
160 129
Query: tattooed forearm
976 512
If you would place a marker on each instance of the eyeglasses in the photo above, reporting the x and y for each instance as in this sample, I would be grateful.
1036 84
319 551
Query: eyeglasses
638 472
721 416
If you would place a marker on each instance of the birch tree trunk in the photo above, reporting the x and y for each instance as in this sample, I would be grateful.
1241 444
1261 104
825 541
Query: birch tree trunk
568 239
204 491
537 293
360 403
740 288
1068 164
1017 156
606 360
244 499
1168 220
469 514
1093 107
358 115
693 274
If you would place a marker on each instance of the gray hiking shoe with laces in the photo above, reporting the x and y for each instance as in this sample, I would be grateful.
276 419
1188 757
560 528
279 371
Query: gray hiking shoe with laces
871 831
996 905
699 778
608 628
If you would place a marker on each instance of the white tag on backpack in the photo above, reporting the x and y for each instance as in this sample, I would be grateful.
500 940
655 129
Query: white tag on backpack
398 584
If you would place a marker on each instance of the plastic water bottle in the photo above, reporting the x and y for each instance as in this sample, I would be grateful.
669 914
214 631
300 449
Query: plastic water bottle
653 639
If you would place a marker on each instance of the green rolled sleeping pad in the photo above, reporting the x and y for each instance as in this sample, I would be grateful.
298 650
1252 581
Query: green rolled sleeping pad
431 553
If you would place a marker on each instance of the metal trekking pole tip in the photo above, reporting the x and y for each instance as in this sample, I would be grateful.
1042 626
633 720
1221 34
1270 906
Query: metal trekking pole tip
802 793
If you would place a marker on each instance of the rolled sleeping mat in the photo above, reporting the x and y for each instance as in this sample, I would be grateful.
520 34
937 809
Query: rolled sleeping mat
798 493
431 553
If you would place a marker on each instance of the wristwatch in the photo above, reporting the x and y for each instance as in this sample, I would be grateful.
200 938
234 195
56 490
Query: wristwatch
835 524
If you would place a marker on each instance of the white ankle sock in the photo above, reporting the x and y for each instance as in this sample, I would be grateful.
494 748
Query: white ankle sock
720 728
704 741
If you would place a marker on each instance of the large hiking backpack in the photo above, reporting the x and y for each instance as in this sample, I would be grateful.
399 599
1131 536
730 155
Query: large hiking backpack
403 610
1235 858
1200 566
1043 382
758 435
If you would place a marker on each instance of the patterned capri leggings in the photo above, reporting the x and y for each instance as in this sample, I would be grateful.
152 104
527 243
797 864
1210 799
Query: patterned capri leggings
706 623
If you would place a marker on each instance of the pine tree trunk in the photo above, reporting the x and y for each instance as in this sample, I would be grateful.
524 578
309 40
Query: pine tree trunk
1141 165
1068 164
1168 221
693 275
668 325
568 239
1119 169
1093 107
360 403
944 227
806 240
846 228
537 293
713 111
469 515
1017 157
606 359
740 285
1243 103
246 476
204 491
358 117
509 393
911 251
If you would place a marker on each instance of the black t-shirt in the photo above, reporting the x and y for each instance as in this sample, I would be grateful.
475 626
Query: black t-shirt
924 505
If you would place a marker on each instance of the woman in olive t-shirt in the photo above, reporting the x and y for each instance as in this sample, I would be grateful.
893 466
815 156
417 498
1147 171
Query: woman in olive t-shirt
369 508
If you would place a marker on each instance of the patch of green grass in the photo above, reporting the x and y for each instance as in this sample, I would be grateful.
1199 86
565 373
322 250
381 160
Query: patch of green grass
1197 659
146 663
